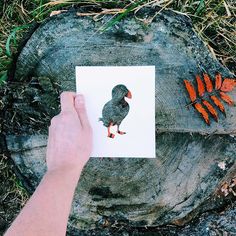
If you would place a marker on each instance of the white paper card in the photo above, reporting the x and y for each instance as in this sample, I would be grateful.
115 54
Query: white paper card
96 84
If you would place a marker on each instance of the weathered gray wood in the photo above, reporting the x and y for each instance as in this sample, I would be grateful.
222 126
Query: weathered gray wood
185 174
169 43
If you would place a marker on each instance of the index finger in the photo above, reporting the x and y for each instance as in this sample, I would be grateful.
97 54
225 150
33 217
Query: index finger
67 100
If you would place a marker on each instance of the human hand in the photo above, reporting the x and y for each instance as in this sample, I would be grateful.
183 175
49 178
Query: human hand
70 135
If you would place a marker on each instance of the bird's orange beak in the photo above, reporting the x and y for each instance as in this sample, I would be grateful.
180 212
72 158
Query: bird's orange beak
129 95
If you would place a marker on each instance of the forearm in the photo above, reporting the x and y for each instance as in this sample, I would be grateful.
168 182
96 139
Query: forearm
47 211
68 150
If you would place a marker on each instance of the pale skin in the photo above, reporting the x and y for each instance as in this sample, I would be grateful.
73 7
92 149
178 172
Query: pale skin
68 150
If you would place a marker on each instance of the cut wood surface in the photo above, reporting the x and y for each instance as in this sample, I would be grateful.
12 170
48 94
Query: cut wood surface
185 178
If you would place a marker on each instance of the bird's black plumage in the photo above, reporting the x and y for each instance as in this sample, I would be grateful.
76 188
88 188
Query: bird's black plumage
117 108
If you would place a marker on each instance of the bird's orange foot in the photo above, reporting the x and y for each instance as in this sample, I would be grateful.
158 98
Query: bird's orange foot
111 135
121 132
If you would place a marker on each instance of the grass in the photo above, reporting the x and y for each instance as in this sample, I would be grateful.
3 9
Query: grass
12 194
213 20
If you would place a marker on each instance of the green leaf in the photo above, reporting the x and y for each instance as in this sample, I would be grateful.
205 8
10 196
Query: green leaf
200 8
3 77
121 15
12 36
43 10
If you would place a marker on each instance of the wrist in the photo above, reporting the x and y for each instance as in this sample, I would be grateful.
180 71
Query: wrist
66 172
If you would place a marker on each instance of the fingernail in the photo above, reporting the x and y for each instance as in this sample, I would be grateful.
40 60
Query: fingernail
80 98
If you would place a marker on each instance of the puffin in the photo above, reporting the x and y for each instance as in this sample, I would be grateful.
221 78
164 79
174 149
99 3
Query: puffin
115 110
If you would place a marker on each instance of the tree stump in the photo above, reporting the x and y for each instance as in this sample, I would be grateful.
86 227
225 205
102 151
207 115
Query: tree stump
192 159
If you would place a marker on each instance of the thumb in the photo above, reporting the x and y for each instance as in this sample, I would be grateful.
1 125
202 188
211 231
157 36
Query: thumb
81 110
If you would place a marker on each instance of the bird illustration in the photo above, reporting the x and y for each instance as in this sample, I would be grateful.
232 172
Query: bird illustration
116 109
